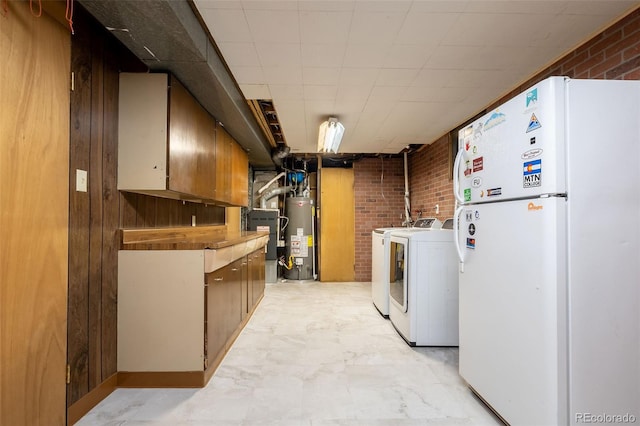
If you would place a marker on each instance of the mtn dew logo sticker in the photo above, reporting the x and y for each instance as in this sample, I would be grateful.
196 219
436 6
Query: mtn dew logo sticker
467 194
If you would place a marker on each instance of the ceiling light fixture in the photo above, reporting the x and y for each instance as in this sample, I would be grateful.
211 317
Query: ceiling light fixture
330 135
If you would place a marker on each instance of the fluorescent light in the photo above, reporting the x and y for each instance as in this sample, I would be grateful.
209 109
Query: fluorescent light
330 135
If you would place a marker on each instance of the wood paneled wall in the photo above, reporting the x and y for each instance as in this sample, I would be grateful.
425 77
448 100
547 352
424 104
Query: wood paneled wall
96 215
34 148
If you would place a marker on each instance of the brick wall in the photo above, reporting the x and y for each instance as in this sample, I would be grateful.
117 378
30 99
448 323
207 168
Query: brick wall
430 181
379 203
612 54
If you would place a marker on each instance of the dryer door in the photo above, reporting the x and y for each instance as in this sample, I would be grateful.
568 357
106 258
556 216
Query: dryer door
398 272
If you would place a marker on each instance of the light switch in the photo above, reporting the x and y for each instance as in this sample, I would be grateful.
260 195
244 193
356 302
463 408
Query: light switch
81 180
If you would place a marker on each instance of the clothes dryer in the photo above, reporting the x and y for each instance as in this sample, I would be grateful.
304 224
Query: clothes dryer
423 288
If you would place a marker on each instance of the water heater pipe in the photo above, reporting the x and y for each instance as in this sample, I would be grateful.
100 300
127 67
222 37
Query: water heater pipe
272 193
407 205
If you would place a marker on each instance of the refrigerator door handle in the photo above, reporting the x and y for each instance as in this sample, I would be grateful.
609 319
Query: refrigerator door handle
456 176
456 236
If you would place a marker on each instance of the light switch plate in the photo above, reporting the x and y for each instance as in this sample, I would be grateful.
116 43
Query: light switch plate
81 180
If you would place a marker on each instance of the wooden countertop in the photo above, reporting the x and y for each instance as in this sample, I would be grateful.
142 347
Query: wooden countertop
184 238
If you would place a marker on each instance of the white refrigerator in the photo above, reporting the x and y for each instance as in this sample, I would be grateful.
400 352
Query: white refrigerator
548 237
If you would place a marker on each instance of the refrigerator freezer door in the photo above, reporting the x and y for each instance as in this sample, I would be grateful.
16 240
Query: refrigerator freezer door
512 298
517 150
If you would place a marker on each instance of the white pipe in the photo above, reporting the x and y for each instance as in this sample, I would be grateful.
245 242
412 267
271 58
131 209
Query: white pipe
407 206
270 182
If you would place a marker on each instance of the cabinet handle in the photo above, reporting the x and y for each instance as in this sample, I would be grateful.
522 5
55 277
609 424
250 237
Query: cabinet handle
218 279
234 269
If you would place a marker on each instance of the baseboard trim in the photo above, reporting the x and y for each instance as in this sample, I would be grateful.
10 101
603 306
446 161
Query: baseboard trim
160 379
82 406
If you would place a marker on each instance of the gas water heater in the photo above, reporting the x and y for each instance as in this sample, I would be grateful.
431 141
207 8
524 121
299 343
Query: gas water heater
299 238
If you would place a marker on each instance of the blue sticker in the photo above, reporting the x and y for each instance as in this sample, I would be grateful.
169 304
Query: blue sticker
532 97
495 119
532 173
533 123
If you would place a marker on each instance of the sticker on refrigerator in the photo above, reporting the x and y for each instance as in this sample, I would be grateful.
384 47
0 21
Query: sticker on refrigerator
494 191
467 194
495 119
533 123
532 153
478 164
476 182
468 215
532 98
472 229
471 243
532 173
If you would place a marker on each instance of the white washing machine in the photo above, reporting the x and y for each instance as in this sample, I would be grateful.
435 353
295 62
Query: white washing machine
423 288
380 260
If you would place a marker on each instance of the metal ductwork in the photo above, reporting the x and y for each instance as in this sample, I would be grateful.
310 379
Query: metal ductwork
272 193
167 36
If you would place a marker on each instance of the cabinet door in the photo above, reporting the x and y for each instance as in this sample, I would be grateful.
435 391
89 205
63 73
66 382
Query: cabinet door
222 165
233 297
215 325
191 144
245 289
239 175
258 275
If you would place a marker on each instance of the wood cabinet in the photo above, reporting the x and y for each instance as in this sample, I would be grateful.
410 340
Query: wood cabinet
170 146
232 170
166 139
224 308
256 279
176 318
239 176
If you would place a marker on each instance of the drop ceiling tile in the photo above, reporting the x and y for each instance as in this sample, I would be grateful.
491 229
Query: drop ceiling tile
365 55
375 27
396 77
441 6
282 75
383 6
327 5
387 93
239 54
353 92
255 91
435 94
426 29
227 25
320 92
528 7
343 106
277 26
315 75
407 56
271 5
484 29
279 54
325 26
218 4
286 92
323 55
358 77
249 75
